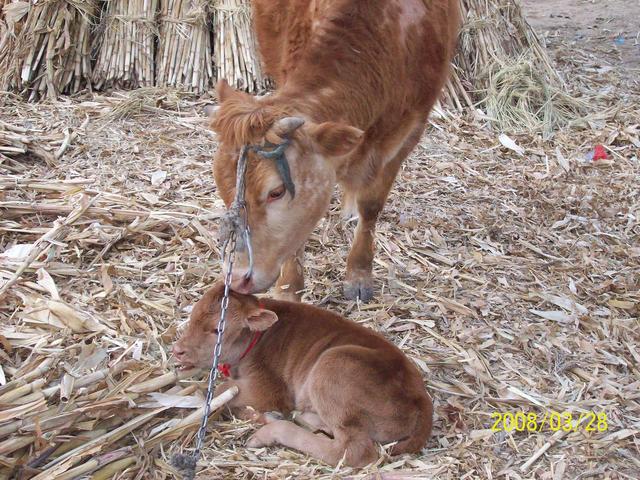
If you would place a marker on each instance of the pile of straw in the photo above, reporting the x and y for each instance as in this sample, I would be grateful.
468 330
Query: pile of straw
184 45
519 97
51 53
235 47
503 66
125 45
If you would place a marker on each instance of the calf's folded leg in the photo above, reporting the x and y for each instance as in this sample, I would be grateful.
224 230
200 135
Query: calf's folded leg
356 447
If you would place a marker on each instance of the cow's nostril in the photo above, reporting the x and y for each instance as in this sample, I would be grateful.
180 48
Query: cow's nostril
242 284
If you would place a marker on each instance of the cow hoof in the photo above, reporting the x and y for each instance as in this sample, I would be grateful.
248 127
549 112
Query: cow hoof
362 289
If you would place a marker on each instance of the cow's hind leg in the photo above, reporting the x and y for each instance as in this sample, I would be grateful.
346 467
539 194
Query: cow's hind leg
291 281
370 202
356 447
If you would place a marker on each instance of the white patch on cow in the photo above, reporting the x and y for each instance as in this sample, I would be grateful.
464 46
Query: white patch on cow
327 92
411 13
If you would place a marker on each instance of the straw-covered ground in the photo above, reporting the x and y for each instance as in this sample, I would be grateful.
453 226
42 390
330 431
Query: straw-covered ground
509 270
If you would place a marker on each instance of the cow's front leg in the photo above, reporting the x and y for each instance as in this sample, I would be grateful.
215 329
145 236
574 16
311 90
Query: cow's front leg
370 201
359 280
291 281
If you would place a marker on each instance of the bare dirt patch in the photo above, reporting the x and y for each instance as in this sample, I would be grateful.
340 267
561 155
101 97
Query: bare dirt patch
609 29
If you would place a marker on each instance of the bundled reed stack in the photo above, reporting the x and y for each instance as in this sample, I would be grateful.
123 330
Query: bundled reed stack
125 45
50 54
12 15
184 46
235 48
502 65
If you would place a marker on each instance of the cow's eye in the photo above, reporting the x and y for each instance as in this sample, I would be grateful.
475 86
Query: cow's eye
276 193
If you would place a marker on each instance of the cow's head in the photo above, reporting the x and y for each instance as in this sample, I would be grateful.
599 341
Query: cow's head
280 221
244 316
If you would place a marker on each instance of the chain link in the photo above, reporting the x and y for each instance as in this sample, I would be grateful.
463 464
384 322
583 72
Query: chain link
213 373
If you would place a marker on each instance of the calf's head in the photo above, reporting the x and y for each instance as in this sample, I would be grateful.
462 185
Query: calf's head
244 316
280 218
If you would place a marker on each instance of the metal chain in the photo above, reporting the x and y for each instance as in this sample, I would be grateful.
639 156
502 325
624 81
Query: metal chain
234 232
187 464
213 373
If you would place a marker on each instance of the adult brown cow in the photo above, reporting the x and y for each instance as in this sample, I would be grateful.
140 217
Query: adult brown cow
356 80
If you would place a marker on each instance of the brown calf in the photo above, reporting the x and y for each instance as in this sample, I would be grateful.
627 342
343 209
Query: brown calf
356 81
348 381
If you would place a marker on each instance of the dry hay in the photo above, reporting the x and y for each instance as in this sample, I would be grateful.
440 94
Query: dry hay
235 48
125 45
51 53
520 99
184 45
502 65
509 275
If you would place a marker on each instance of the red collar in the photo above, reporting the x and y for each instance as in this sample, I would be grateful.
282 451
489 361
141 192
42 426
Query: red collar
225 368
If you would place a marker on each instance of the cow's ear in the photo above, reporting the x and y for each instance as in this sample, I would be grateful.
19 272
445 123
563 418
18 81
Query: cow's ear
224 90
335 139
260 319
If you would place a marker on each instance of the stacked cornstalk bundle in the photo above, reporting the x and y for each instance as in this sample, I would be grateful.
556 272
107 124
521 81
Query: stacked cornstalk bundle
184 45
12 15
235 48
50 54
125 45
502 65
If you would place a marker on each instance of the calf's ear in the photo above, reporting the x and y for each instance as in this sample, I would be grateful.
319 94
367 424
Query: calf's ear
261 319
335 139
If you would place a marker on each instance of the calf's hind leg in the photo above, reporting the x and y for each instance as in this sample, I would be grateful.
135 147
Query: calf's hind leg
356 447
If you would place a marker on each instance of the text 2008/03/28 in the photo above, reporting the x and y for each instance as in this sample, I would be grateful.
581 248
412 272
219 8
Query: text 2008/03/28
550 420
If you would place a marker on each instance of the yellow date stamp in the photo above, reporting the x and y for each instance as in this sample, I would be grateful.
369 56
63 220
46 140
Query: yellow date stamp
549 421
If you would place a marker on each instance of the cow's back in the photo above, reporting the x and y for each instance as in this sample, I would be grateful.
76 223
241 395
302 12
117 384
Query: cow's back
393 52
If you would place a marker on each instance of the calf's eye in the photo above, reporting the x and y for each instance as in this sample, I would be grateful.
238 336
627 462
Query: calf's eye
276 193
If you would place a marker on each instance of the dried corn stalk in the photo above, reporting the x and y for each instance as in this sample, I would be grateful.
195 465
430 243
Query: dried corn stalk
235 48
125 45
11 20
184 49
51 53
16 141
